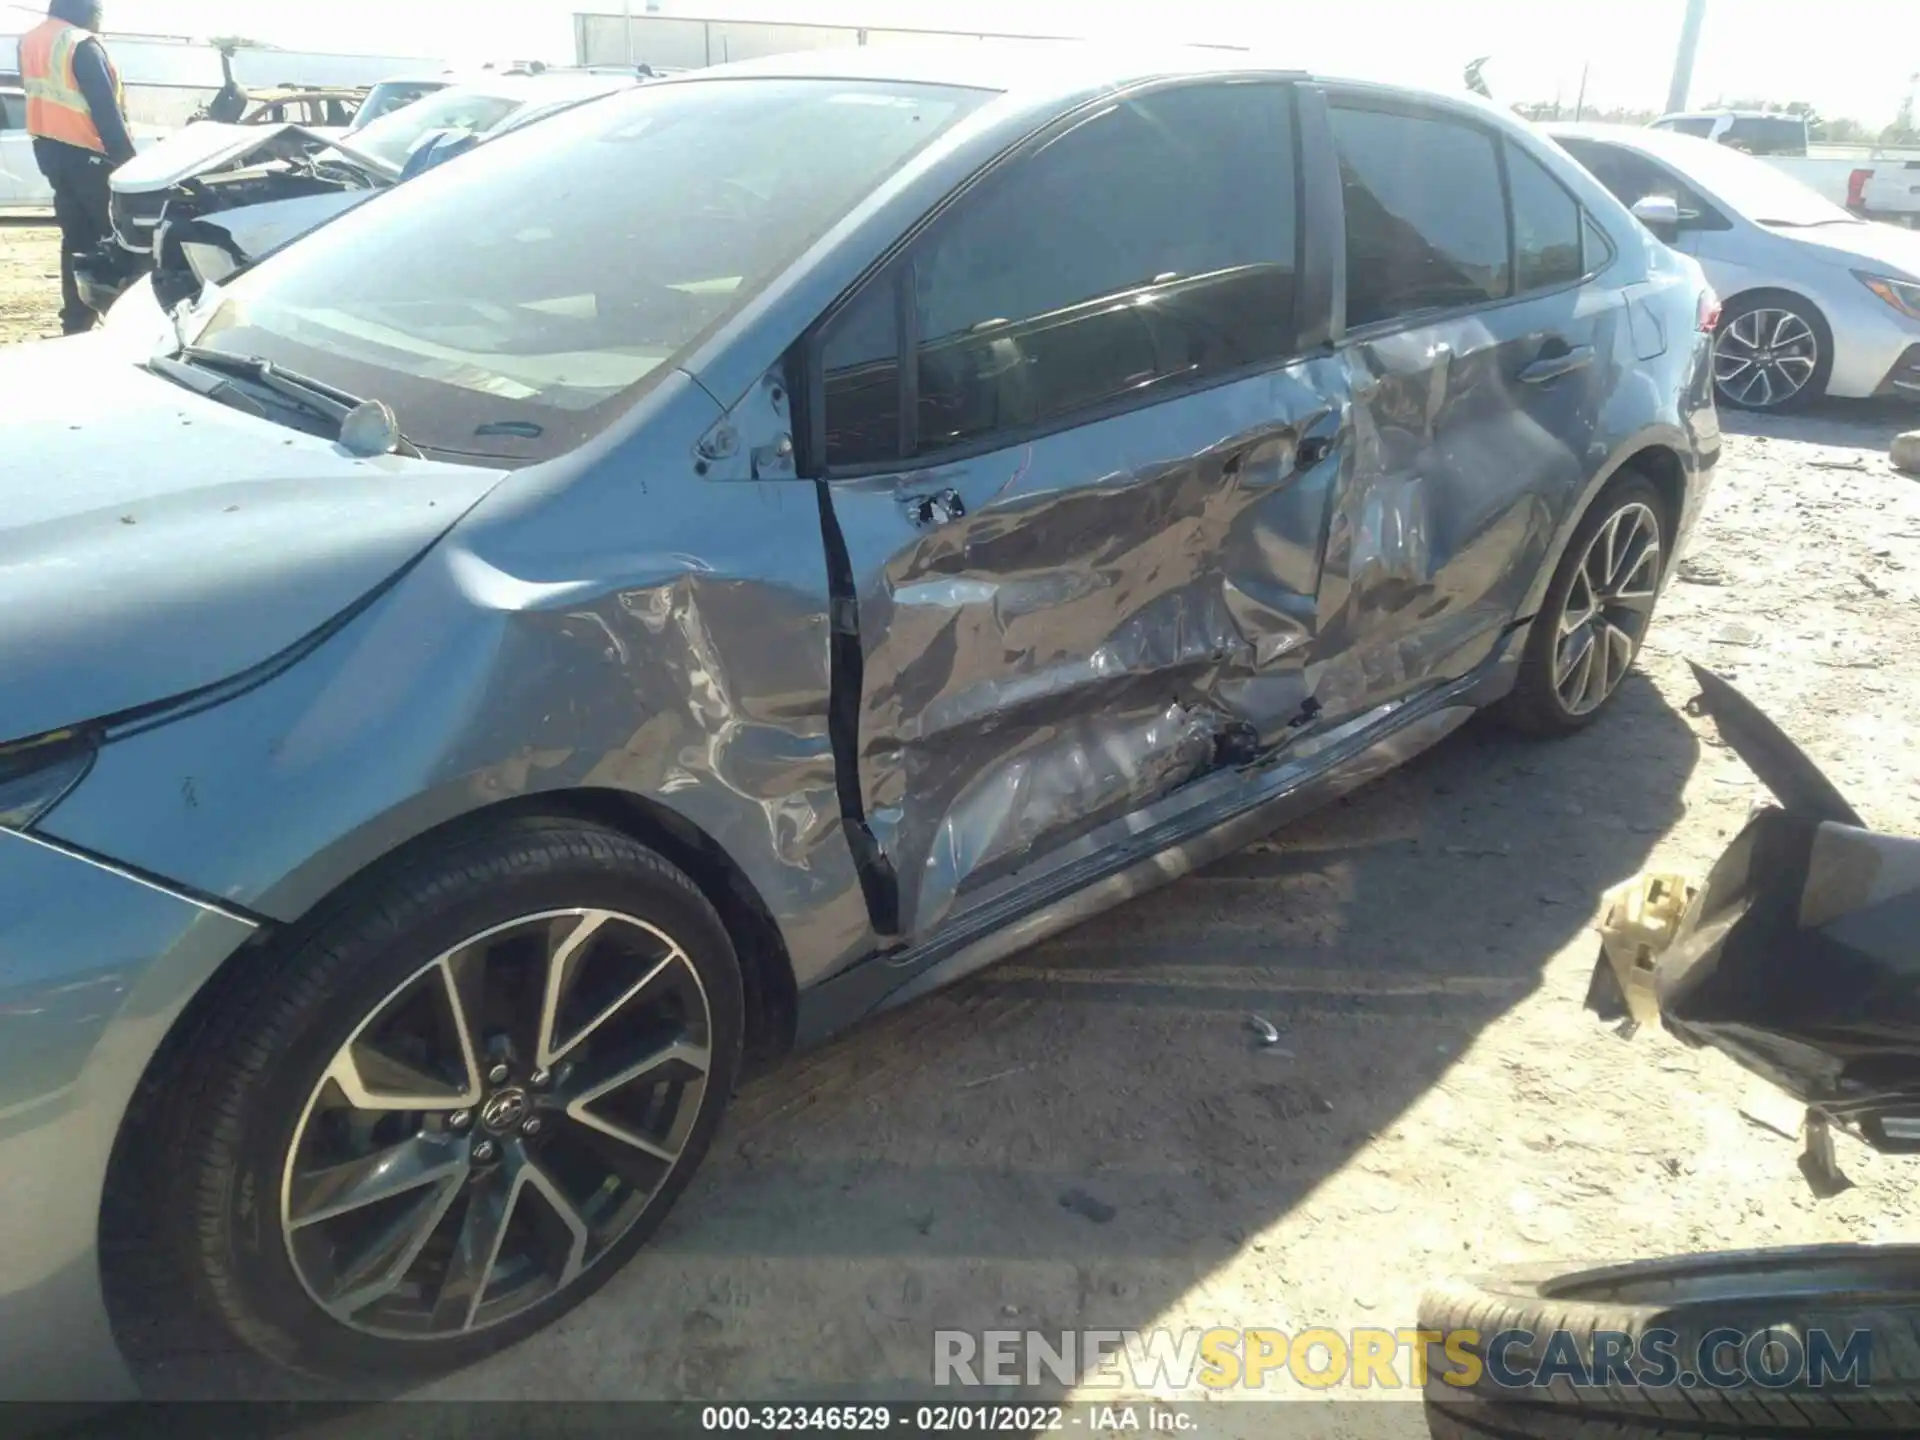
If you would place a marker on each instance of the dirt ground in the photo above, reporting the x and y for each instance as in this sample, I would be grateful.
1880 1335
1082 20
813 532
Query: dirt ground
1087 1135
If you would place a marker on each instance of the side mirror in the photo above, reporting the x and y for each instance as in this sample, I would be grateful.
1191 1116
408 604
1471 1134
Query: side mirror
1659 213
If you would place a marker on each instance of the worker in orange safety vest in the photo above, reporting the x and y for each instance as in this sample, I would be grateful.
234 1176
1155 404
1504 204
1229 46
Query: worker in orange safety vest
76 113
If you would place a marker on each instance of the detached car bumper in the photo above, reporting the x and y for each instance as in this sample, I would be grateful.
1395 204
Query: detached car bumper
95 965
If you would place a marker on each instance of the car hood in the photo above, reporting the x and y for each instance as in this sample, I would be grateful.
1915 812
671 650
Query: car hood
153 543
1884 249
208 146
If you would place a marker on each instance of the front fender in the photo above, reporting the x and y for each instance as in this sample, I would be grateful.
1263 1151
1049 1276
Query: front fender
617 624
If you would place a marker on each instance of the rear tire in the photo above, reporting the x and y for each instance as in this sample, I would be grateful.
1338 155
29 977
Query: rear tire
479 1080
1605 589
1783 1296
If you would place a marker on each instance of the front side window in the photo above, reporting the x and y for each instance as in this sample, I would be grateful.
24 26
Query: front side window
1151 244
510 308
13 113
1426 220
1546 225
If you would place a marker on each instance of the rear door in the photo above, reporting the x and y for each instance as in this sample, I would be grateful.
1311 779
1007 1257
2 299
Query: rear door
1079 531
1480 348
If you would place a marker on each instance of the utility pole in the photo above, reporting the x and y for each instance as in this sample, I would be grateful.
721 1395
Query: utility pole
1683 62
626 27
1580 105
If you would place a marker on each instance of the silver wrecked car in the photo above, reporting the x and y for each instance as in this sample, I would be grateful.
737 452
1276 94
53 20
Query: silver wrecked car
755 549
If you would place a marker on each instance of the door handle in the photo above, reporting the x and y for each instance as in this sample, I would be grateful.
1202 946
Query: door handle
1555 362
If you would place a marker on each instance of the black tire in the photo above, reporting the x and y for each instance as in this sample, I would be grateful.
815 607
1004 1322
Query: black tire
231 1107
1783 1296
1535 706
1816 384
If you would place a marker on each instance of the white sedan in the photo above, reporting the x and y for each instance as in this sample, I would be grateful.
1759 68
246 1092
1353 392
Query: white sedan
1816 301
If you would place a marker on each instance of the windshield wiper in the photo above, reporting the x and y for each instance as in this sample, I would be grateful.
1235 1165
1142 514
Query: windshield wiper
302 392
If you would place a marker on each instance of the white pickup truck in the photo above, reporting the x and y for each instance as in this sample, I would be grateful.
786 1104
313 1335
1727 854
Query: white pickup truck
1877 182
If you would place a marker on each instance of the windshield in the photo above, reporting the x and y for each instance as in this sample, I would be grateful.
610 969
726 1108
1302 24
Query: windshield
395 137
1751 187
391 95
508 309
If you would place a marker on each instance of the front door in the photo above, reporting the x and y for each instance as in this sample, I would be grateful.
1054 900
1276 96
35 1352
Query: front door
1082 526
1479 352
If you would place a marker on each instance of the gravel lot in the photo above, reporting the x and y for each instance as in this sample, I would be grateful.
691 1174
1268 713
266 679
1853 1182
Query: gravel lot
1086 1135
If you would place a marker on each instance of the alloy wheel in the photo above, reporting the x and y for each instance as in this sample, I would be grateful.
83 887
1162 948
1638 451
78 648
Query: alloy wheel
497 1123
1765 358
1607 608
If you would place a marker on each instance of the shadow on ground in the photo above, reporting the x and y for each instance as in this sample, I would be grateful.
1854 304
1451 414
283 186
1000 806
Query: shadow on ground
1858 424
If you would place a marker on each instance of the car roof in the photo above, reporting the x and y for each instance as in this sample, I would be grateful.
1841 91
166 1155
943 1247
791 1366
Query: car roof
1027 67
1037 72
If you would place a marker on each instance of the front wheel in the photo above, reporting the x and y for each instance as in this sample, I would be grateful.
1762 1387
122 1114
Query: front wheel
1771 353
1596 614
455 1107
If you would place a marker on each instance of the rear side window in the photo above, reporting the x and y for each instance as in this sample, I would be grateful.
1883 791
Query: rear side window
1151 245
1546 225
1426 220
13 113
1767 135
1701 125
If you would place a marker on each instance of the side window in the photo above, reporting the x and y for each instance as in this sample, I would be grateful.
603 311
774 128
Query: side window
1630 177
1546 225
1426 220
13 113
860 372
1599 247
1150 245
1701 125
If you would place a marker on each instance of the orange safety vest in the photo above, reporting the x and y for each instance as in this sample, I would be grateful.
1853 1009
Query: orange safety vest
56 110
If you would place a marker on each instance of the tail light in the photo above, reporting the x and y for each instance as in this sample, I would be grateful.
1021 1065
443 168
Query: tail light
1857 189
1709 313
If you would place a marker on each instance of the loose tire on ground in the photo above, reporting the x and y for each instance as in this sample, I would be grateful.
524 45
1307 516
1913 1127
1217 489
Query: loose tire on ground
1784 1296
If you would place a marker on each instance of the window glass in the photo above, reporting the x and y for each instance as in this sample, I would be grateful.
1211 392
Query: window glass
860 367
1149 245
13 113
1771 135
1426 222
1546 225
1701 125
512 308
1599 247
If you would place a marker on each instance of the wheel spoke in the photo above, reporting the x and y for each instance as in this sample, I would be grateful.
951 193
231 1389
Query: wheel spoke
1619 648
316 1195
382 1262
678 1053
533 1177
552 1048
476 1251
1579 670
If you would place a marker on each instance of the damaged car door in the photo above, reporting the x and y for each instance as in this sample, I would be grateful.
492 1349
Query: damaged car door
1078 533
1481 352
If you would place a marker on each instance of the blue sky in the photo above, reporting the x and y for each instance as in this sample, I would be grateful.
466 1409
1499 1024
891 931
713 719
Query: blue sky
1851 57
